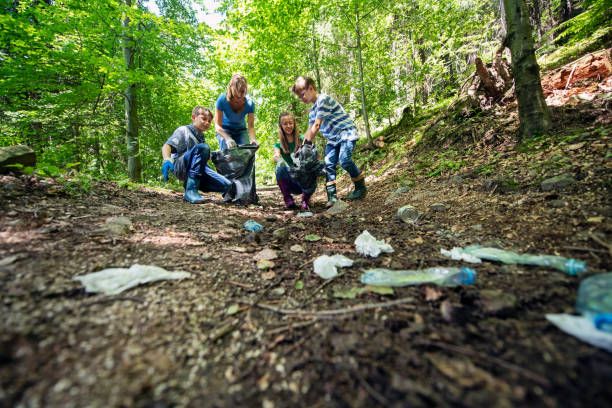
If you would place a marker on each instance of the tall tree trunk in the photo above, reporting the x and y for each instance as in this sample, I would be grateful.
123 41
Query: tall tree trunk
364 109
533 112
315 56
131 105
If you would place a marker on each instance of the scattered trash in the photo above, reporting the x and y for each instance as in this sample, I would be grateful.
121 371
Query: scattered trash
457 254
582 328
570 266
367 245
440 276
327 266
253 226
116 280
408 214
594 300
305 214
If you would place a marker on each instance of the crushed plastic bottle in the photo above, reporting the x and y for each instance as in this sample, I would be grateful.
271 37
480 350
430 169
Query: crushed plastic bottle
583 329
441 276
594 300
253 226
570 266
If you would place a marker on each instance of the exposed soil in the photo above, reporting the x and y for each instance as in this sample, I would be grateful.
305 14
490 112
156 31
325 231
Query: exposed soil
237 335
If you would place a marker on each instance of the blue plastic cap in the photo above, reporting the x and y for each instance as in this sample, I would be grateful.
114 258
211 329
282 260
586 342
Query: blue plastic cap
253 226
603 322
574 267
468 276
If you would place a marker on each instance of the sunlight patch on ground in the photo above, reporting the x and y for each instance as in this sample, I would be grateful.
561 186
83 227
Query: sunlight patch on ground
168 238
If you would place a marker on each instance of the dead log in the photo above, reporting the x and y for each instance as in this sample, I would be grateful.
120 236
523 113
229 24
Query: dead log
15 158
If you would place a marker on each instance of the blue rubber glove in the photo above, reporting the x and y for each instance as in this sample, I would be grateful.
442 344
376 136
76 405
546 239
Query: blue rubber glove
167 167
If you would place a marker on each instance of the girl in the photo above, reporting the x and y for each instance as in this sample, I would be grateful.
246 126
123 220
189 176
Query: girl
289 142
231 109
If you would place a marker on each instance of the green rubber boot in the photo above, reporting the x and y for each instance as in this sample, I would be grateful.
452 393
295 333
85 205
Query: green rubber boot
191 191
360 190
331 195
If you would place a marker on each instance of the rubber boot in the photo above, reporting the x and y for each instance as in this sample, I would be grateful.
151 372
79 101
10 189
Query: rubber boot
191 191
304 206
331 194
286 191
360 188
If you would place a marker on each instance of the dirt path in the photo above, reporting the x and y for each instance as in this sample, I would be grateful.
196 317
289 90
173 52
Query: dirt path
230 335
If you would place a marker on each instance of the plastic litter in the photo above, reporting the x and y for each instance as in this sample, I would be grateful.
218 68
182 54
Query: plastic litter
582 328
116 280
594 300
441 276
327 266
457 254
253 226
367 245
570 266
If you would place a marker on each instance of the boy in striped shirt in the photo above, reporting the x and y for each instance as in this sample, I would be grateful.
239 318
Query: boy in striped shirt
328 117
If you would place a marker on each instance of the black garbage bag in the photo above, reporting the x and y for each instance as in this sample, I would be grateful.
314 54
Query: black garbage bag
238 165
307 168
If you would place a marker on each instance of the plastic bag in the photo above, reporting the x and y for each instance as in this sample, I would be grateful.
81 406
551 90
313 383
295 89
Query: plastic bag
307 168
116 280
367 245
327 266
238 165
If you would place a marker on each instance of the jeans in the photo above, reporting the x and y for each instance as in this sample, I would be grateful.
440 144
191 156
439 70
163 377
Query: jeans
240 137
342 152
195 160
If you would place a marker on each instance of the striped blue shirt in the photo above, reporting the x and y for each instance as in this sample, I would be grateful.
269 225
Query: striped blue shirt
336 124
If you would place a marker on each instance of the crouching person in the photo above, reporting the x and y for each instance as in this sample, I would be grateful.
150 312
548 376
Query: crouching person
186 155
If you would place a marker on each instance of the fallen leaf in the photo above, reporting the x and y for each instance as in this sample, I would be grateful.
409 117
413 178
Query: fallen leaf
350 293
418 240
297 248
8 260
380 290
432 294
268 275
299 285
595 220
263 264
266 254
312 237
236 249
232 310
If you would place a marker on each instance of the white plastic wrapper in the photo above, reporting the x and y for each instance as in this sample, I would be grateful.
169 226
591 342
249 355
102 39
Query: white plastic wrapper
116 280
367 245
458 254
582 328
327 266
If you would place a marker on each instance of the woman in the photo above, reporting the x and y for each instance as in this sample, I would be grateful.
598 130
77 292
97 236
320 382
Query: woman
232 108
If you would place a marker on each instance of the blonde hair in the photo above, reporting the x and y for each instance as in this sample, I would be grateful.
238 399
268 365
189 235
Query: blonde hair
236 87
283 137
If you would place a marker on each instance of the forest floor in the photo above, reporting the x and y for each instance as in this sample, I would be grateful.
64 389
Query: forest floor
239 332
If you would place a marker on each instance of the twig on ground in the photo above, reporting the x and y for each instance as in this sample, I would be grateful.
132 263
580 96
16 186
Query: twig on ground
292 326
240 284
334 312
370 390
570 248
321 286
569 78
601 242
114 299
502 363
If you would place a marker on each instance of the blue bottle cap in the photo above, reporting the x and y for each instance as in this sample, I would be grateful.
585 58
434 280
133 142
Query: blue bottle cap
574 267
467 276
603 322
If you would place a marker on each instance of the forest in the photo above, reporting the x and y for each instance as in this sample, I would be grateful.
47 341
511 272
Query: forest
480 123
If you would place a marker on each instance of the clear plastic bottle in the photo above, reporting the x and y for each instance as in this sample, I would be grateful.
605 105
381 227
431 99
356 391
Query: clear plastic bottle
441 276
594 300
570 266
